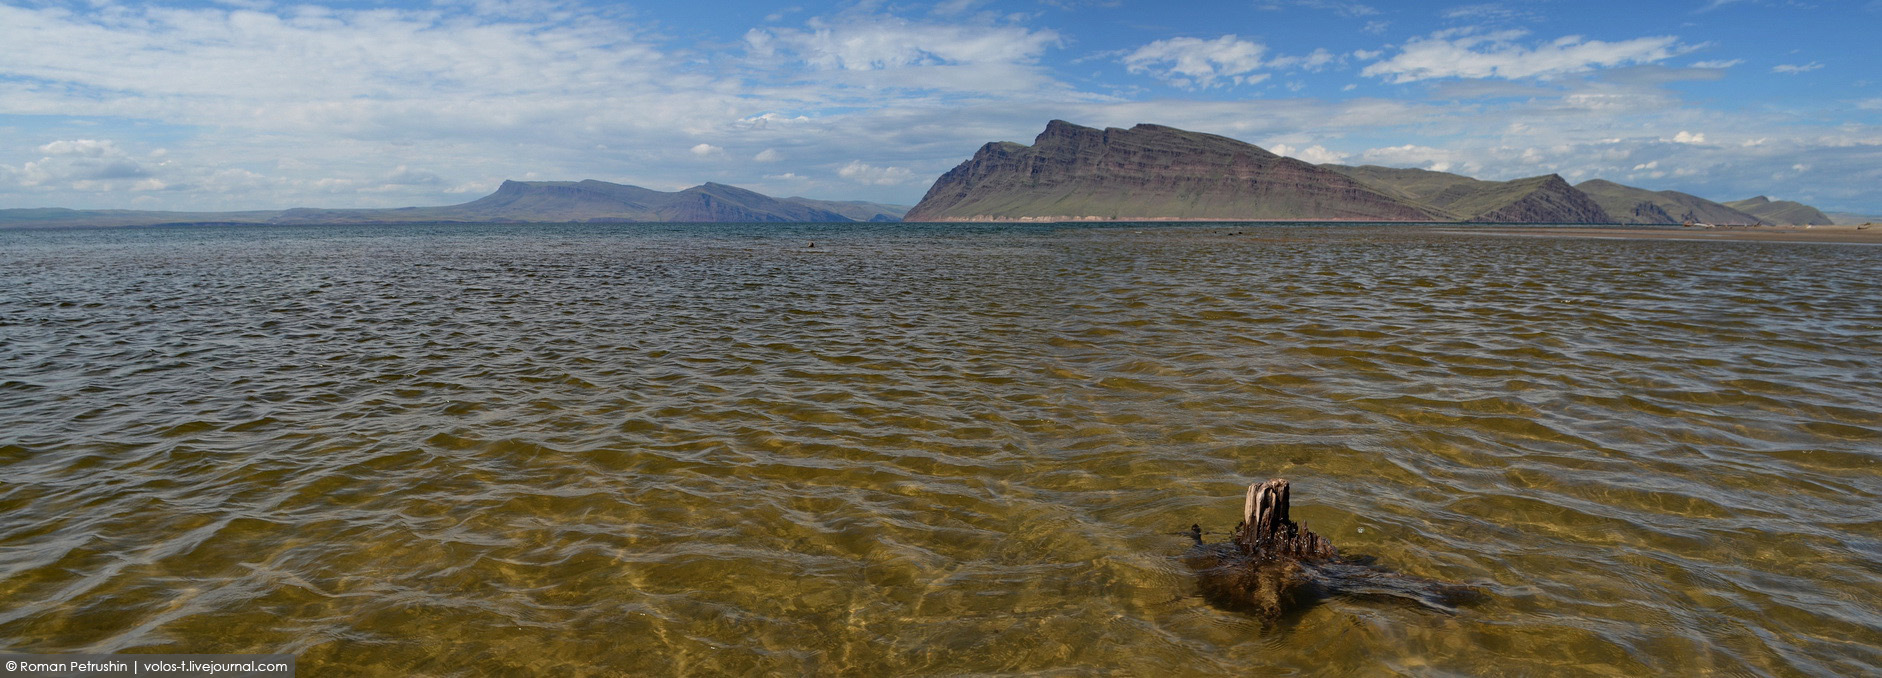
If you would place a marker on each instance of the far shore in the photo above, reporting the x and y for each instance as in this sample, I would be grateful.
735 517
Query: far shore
1828 234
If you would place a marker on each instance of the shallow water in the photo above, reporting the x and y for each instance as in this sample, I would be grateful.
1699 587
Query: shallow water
932 450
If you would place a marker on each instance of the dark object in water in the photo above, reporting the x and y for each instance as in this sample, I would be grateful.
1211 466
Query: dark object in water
1273 567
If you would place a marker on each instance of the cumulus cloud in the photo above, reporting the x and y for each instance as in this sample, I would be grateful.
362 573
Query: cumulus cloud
864 173
1685 137
1316 154
91 164
1421 157
1470 54
703 150
768 155
1187 62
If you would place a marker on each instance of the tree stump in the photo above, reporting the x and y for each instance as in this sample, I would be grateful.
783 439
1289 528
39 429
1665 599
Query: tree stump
1273 567
1267 532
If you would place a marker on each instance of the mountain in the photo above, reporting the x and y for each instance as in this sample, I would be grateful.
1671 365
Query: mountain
59 217
1781 211
585 201
1543 199
1629 205
1150 172
513 202
856 210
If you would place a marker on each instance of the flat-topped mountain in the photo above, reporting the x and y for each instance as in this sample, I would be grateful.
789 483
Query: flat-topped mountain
1629 205
1150 172
513 202
1544 199
1781 211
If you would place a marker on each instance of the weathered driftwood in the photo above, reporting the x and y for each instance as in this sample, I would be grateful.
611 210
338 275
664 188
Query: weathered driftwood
1273 566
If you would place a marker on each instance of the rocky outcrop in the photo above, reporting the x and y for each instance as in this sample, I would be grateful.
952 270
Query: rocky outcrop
1629 205
1782 212
1149 172
1546 199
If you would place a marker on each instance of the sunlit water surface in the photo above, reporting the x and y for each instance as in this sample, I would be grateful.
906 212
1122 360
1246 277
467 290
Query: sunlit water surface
931 449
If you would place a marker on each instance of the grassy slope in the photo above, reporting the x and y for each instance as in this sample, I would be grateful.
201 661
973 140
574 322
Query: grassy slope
1782 212
1459 196
1620 200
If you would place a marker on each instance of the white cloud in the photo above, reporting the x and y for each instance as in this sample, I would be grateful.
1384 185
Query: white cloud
1469 54
1344 8
768 155
1187 62
90 148
1422 157
1315 154
703 150
93 164
1485 12
1870 104
887 43
864 173
1685 137
1793 69
1718 63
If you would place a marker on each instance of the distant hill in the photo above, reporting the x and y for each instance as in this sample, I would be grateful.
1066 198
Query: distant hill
1150 172
513 202
1629 205
59 217
1781 211
856 210
1543 199
585 201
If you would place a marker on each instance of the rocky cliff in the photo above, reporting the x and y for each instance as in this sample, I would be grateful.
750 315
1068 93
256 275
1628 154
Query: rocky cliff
1150 172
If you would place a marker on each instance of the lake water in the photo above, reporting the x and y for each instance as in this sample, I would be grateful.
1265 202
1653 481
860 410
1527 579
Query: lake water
909 449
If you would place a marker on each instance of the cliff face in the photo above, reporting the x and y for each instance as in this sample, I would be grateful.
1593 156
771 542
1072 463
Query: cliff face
1782 212
1629 205
1149 172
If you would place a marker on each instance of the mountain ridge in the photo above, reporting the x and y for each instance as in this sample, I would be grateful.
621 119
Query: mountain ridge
585 201
1155 172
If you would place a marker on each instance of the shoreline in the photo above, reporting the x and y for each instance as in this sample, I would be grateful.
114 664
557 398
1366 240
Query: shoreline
1799 234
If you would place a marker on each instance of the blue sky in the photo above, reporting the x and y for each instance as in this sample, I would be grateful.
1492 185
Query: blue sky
251 104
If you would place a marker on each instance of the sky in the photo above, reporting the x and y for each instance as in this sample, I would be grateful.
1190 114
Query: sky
253 104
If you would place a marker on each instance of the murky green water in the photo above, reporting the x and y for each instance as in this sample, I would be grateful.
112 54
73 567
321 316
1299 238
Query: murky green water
933 450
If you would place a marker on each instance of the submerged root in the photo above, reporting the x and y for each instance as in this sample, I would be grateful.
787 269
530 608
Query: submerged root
1272 567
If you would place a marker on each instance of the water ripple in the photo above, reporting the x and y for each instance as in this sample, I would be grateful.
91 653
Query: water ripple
931 449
